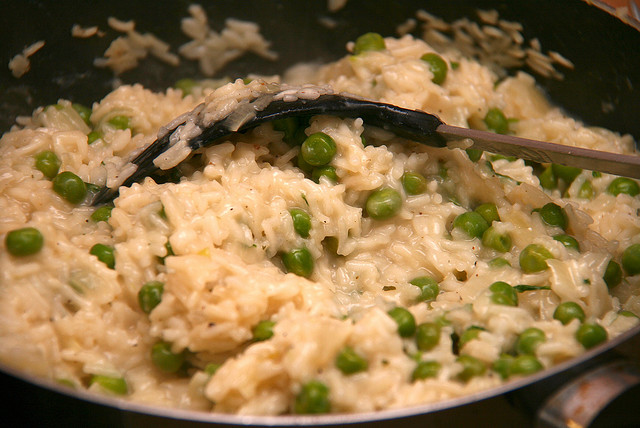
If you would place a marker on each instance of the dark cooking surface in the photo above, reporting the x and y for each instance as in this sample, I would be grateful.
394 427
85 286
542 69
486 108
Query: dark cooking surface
603 90
607 71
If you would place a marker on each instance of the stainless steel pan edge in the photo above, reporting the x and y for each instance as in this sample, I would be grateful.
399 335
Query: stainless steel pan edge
584 92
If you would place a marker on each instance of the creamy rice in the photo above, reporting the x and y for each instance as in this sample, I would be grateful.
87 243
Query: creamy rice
66 316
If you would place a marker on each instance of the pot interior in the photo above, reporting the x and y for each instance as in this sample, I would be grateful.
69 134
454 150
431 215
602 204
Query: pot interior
603 89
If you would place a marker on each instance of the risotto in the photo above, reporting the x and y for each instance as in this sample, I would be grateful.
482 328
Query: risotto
317 265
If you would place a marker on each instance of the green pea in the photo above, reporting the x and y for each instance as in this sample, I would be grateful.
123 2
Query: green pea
472 223
119 122
263 330
288 125
496 121
471 367
414 183
547 178
525 365
529 339
24 242
313 398
427 336
613 274
293 129
503 294
212 368
405 320
437 65
93 136
326 171
164 359
586 190
426 369
502 365
115 385
566 173
568 241
185 85
368 42
102 214
105 254
83 111
623 185
301 222
499 262
349 362
534 258
429 288
383 204
590 335
150 295
474 154
303 165
47 163
468 335
498 241
554 215
489 212
568 311
298 261
501 287
70 186
631 259
318 149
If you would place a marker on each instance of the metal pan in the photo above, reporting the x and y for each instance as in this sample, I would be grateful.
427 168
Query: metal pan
602 90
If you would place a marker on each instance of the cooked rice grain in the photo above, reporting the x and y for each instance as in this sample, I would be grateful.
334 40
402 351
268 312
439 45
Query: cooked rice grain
20 64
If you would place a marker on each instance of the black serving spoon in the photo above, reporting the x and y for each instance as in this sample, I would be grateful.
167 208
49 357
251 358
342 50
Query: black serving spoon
413 125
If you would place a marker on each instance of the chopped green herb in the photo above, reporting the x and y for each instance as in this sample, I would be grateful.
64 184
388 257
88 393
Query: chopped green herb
522 288
263 330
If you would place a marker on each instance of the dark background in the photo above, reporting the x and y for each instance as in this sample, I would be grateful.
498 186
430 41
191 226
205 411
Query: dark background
605 51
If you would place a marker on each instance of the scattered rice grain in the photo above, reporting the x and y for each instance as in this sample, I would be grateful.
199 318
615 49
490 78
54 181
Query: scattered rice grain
20 64
85 32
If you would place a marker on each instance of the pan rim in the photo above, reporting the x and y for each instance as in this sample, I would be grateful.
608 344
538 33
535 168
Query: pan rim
325 419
